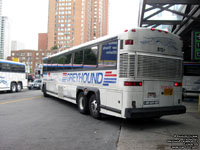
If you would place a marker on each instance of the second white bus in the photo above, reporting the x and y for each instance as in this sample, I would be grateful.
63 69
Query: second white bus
135 74
12 76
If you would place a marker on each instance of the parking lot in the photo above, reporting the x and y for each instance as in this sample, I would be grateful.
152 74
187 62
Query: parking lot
31 121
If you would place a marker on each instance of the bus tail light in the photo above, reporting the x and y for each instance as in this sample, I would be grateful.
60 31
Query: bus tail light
133 30
153 29
129 42
129 83
126 31
177 84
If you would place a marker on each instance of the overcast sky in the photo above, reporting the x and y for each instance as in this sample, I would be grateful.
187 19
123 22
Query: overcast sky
30 17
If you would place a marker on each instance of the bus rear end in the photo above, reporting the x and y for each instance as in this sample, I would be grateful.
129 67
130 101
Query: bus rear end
150 73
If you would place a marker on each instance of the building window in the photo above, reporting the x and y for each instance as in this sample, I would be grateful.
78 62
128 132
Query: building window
29 54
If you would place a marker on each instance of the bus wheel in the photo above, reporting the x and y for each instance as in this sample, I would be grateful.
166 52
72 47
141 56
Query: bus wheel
13 87
94 107
44 91
19 87
82 103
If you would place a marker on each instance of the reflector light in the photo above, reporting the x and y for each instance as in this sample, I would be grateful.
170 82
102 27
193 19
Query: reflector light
126 31
133 30
166 31
129 42
129 83
176 84
159 30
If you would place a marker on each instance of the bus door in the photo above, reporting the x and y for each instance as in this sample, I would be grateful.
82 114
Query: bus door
158 93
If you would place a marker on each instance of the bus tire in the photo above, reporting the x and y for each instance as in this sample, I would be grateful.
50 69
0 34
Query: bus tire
13 87
19 87
94 107
82 103
44 91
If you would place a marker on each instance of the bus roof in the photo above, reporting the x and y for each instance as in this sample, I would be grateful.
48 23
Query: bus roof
107 37
10 62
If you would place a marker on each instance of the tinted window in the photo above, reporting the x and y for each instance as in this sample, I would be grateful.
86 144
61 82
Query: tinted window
67 61
191 69
45 65
54 63
90 57
6 67
108 54
22 68
78 60
14 68
49 65
60 62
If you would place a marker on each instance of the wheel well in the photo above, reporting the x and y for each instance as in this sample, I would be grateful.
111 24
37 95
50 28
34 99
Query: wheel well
13 82
90 93
20 82
78 92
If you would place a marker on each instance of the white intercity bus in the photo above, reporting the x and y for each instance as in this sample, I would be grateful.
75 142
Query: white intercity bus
135 74
191 79
12 76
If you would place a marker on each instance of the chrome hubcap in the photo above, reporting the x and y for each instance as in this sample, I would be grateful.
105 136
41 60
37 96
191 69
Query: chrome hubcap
94 106
19 87
14 88
81 103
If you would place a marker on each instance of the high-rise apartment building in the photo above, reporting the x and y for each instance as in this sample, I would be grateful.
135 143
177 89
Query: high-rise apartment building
16 45
42 41
72 22
4 38
0 7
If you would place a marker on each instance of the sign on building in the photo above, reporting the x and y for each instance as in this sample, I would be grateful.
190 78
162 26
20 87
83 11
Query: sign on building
196 45
15 59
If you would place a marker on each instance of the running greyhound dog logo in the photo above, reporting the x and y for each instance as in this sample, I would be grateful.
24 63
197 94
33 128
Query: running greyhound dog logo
2 81
167 42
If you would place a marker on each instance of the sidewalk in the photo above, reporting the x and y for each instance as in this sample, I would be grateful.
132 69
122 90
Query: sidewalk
155 134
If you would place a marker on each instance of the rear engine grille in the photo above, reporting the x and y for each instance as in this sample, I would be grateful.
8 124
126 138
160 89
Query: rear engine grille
159 67
127 66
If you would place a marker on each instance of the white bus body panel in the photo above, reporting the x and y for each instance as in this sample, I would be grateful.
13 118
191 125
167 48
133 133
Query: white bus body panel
191 85
115 98
6 78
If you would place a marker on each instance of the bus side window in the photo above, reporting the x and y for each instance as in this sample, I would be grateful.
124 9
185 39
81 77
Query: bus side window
0 66
54 63
90 57
78 60
45 66
6 67
49 65
22 68
61 59
108 54
67 64
14 68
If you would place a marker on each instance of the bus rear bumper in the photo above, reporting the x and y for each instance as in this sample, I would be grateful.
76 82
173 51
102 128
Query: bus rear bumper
154 112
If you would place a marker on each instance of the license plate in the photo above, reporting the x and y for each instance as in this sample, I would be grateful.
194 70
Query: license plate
168 92
151 95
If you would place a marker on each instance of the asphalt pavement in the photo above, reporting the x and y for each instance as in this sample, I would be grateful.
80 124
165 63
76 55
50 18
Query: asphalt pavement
29 121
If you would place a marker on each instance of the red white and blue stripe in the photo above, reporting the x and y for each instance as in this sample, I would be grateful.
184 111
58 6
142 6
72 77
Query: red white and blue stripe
109 77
